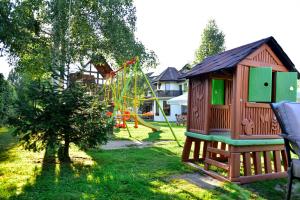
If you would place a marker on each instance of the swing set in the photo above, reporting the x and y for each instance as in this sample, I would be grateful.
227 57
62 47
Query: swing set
117 91
121 92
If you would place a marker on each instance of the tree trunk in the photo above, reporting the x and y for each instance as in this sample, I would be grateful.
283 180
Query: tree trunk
63 152
66 148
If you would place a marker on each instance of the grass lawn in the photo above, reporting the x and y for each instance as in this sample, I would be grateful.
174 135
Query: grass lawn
135 173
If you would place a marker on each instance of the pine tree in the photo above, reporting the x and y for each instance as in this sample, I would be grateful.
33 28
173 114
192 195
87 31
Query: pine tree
212 42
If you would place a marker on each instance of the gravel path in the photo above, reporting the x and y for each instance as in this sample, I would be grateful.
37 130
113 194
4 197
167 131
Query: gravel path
121 144
200 180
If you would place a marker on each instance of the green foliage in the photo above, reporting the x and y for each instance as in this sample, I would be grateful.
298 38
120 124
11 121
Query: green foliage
7 97
47 118
45 38
212 42
48 36
21 35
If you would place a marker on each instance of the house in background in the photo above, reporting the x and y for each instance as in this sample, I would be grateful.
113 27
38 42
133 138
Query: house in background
147 106
93 73
166 86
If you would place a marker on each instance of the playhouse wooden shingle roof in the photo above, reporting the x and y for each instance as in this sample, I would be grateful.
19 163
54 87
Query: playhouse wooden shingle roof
169 74
229 59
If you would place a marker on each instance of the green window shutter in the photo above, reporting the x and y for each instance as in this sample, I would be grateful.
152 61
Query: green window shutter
218 94
286 86
260 84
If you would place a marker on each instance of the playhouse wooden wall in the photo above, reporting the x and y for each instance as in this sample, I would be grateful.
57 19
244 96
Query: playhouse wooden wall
198 105
254 120
203 116
244 119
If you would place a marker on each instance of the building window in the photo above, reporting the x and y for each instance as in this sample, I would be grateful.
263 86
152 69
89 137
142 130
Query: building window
156 109
167 86
184 109
166 108
158 86
218 92
268 86
180 88
185 87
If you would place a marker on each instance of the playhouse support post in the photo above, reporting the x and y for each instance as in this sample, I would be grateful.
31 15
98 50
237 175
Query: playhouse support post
235 165
186 149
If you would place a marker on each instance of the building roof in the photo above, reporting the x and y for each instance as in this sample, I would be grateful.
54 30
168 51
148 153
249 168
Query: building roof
229 59
169 74
149 74
104 69
186 68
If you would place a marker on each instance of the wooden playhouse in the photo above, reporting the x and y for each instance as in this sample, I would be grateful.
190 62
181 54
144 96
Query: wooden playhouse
230 123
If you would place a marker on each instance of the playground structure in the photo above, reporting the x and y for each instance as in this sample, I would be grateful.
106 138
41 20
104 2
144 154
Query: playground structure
231 125
121 93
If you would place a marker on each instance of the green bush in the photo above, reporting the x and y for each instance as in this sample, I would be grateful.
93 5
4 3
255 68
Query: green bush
7 98
49 118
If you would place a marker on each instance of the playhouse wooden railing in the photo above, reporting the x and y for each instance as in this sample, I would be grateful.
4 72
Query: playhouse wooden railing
221 119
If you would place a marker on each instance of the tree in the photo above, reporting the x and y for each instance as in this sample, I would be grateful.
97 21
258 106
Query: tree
48 36
57 119
212 42
44 39
7 99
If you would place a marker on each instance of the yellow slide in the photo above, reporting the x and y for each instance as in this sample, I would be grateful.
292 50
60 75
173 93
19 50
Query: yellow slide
147 124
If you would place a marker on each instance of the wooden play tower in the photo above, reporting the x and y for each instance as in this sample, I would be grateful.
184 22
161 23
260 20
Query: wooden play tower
231 127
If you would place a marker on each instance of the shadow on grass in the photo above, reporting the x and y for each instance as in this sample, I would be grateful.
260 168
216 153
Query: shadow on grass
119 174
271 189
153 136
125 174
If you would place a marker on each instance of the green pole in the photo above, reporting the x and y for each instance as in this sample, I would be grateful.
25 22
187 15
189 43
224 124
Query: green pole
127 129
159 106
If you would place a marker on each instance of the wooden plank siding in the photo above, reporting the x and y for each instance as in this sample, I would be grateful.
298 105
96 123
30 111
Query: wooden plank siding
204 117
228 92
256 120
220 117
266 55
263 119
198 102
236 107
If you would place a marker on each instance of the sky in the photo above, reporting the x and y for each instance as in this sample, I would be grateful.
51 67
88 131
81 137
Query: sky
172 28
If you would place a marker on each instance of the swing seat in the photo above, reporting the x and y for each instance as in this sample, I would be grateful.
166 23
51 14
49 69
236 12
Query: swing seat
126 115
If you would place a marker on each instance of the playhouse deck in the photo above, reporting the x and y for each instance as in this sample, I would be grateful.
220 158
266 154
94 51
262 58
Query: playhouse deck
243 161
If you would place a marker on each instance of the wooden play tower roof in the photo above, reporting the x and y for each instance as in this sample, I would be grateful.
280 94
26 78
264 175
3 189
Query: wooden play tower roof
231 58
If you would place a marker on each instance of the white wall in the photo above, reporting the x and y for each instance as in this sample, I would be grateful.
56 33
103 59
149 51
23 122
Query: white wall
175 109
173 86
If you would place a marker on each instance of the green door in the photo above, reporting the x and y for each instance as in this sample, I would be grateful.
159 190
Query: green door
260 84
286 86
218 93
